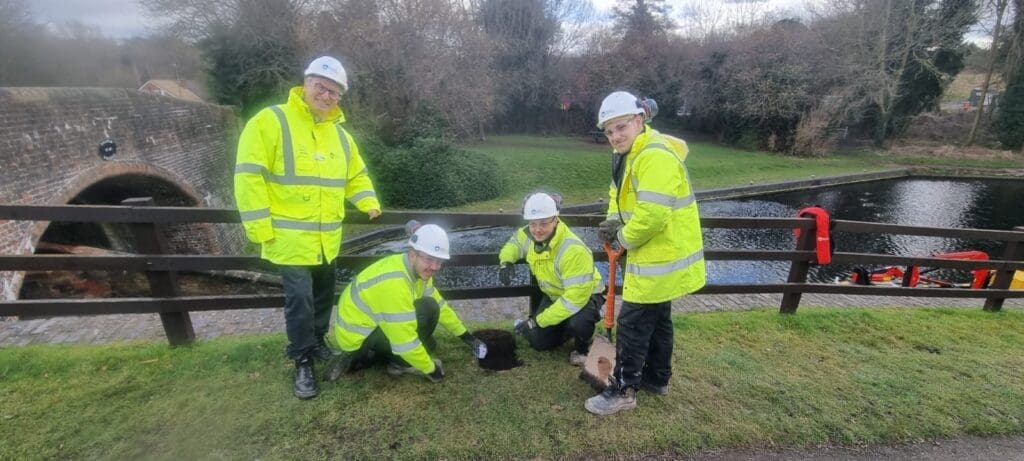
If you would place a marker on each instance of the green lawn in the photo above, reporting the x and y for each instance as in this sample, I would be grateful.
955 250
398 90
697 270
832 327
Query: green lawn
749 379
580 169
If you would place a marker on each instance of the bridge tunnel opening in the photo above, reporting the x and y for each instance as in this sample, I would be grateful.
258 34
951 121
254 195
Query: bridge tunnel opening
64 236
92 238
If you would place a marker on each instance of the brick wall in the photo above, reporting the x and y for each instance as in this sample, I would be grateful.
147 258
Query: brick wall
49 153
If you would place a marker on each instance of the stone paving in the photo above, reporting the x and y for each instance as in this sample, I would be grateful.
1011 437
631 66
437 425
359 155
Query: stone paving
146 327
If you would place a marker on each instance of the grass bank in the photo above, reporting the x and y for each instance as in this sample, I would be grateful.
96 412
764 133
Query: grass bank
580 169
747 379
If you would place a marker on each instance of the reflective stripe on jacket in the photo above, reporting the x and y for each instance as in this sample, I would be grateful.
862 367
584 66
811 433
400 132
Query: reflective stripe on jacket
662 233
382 295
564 269
292 177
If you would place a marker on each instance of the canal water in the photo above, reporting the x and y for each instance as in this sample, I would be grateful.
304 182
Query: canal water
979 204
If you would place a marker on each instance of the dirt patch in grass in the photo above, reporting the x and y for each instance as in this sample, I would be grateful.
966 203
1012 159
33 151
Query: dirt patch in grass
501 350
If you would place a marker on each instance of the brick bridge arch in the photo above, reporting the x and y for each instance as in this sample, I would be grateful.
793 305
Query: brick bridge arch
180 151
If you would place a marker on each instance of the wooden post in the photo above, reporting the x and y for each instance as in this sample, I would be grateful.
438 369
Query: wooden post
1014 251
798 271
149 239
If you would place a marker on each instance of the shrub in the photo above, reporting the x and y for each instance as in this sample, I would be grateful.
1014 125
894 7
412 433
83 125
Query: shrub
1009 124
431 173
426 122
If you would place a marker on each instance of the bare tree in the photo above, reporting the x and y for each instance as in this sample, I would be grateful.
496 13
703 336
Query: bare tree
720 22
999 6
892 51
192 19
408 57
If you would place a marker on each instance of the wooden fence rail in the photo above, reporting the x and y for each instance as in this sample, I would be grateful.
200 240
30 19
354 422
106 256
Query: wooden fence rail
160 268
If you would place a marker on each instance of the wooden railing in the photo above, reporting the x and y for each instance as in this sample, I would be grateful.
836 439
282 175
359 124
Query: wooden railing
148 224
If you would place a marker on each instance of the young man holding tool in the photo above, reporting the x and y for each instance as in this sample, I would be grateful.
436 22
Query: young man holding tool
652 214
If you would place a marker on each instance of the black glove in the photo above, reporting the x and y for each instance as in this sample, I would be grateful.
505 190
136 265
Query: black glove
478 346
506 272
608 230
523 327
438 374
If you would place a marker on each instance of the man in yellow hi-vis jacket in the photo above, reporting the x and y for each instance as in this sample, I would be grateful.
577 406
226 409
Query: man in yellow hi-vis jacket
653 215
295 168
390 310
564 268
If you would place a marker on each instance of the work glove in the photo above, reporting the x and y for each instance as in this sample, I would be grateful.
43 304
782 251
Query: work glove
523 327
477 346
438 374
608 230
506 272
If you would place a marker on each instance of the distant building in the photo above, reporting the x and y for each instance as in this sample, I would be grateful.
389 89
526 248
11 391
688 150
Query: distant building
181 89
991 98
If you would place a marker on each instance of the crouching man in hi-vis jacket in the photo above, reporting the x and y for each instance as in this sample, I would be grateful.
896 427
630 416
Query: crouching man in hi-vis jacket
564 268
390 310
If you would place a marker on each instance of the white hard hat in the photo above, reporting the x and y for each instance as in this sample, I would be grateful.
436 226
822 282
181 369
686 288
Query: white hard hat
329 68
539 206
618 104
431 240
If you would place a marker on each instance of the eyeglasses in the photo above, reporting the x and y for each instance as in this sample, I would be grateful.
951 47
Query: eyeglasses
618 127
430 260
320 88
539 223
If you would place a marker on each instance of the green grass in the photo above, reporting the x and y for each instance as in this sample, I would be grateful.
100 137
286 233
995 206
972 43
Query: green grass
948 164
581 170
750 379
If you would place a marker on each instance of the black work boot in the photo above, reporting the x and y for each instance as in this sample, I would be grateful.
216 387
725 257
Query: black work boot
305 380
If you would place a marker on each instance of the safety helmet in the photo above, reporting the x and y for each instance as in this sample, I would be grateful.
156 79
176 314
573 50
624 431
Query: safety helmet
539 206
431 240
616 105
329 68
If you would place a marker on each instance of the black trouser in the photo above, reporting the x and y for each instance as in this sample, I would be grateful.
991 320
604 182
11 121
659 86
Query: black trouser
376 348
308 297
644 344
579 327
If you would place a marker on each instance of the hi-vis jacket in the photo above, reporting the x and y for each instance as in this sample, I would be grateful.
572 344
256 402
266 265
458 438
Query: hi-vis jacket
564 269
292 176
662 233
382 296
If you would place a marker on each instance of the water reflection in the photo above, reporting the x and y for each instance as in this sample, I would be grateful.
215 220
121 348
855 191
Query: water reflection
921 202
918 202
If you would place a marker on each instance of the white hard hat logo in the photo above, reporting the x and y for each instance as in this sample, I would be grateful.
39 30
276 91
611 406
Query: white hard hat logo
329 68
